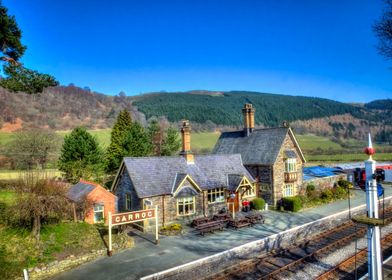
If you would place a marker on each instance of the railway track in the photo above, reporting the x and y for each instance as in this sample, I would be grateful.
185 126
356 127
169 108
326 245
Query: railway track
346 268
285 263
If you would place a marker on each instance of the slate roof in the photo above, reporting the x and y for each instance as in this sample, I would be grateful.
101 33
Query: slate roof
262 146
152 176
233 181
79 191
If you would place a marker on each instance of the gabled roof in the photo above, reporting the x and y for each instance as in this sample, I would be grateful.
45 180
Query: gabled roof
262 146
79 192
152 176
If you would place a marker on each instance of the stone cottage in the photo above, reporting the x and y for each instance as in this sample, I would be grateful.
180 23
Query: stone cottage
271 155
92 202
183 187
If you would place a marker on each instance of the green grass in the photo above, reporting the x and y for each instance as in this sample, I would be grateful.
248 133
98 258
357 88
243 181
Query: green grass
349 157
7 197
204 140
102 135
18 249
16 174
313 142
5 138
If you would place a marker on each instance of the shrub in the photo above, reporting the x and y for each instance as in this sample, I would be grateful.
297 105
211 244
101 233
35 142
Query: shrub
293 204
310 188
311 191
340 192
304 199
326 194
344 184
175 227
258 204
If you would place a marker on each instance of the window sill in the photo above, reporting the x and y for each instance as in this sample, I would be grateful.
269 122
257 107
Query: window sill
185 215
216 202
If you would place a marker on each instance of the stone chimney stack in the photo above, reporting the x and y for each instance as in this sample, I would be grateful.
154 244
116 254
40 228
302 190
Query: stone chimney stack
249 118
186 142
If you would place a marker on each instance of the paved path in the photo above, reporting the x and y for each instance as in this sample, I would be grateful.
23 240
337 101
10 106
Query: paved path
146 258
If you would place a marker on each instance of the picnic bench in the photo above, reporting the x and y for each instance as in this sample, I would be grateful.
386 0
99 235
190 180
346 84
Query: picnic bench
255 218
210 227
224 217
199 221
240 222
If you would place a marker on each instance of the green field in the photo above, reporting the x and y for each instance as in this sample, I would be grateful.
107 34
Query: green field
16 174
349 157
204 140
7 197
102 135
315 148
313 142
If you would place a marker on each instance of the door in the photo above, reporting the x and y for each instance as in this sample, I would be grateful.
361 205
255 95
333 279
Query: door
235 201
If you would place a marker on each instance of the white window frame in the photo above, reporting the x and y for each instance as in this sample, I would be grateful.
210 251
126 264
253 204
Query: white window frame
288 190
189 200
248 191
99 211
128 201
291 165
216 195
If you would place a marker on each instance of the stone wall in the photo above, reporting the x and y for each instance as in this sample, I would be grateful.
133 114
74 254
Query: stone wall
56 267
322 183
210 265
125 186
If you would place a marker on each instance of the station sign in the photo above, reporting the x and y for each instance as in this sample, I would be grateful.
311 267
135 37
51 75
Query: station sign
131 217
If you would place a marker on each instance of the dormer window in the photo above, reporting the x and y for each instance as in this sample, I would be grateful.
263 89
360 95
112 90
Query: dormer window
291 165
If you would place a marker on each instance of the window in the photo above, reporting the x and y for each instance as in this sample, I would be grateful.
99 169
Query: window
185 206
291 165
128 201
98 213
248 191
216 195
288 190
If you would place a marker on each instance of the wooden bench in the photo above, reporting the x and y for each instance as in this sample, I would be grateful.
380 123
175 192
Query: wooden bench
224 217
239 223
200 221
210 227
255 218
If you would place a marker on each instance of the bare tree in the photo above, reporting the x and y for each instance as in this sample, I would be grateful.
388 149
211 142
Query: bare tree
383 30
33 148
40 198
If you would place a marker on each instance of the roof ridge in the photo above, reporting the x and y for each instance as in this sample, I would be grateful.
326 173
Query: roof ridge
89 183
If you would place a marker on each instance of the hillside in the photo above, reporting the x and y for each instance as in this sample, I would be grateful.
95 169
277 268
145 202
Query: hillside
60 108
225 108
65 107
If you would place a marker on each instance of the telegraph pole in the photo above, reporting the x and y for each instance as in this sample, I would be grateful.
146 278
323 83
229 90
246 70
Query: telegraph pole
373 232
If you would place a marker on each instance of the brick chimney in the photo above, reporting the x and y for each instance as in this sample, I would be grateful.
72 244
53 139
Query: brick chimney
186 142
249 118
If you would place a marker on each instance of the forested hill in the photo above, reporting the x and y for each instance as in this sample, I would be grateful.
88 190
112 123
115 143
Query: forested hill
66 107
224 108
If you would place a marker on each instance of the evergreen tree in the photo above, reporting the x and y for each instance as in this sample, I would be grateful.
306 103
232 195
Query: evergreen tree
137 142
115 151
155 133
17 77
171 144
81 156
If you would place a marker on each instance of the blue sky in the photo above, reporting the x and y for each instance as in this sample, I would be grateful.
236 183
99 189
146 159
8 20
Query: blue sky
312 48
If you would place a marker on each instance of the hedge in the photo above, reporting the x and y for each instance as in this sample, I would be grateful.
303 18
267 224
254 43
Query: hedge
258 204
293 204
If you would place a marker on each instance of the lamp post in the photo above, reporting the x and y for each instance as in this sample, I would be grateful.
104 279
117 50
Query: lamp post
373 232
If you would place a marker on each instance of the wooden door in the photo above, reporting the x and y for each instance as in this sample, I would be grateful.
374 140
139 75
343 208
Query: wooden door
235 201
